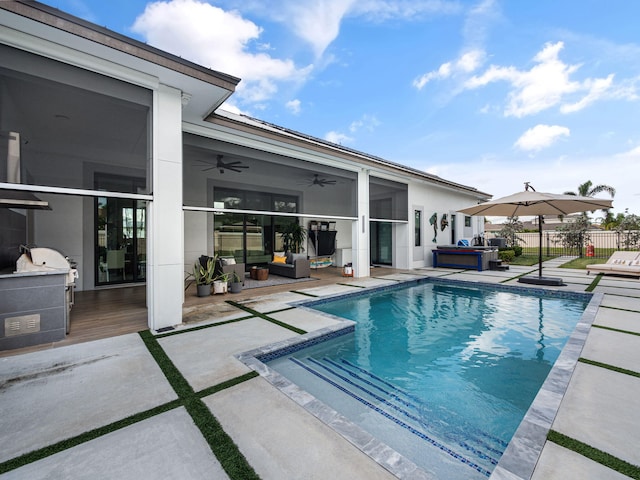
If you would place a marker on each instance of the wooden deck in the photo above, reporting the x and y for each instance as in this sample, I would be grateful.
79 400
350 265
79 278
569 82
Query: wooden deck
111 312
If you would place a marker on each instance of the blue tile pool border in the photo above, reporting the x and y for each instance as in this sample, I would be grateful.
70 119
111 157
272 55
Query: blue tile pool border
519 459
451 282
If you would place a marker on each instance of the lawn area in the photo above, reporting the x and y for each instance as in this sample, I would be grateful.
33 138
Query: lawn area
582 263
579 263
528 260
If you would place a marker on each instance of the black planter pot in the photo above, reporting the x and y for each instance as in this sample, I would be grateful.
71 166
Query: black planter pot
203 290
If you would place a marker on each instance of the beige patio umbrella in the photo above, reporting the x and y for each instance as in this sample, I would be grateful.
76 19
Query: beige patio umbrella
530 202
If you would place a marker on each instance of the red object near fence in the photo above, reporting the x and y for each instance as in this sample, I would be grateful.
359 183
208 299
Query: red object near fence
590 251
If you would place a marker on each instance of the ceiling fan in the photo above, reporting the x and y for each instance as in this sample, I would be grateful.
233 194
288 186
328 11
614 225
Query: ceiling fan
320 181
235 166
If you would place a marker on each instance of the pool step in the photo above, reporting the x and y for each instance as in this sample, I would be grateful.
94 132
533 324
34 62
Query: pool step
466 443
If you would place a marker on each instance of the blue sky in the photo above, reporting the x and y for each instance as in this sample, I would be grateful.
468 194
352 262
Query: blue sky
489 93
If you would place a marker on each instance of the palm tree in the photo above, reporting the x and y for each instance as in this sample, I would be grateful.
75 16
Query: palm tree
587 189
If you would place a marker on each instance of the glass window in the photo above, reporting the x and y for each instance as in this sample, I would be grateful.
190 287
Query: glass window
417 233
467 221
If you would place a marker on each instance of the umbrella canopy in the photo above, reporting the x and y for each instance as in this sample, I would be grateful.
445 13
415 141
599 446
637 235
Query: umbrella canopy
536 203
539 204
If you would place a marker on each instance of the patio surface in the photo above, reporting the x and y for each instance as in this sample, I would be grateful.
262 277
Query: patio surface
59 394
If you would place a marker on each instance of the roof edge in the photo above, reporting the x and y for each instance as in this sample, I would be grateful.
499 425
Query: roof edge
221 116
73 25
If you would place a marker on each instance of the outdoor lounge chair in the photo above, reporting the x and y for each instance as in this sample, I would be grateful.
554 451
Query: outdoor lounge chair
620 263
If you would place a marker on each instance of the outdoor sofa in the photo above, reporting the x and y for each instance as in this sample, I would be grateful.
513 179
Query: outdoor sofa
225 265
620 263
292 265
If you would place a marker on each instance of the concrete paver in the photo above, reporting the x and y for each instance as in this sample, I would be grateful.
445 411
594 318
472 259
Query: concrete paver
329 290
620 319
306 319
210 313
165 446
271 303
626 292
621 282
206 357
613 348
559 463
600 408
281 440
57 394
625 303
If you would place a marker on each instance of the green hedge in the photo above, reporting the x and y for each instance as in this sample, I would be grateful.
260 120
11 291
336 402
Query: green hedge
506 255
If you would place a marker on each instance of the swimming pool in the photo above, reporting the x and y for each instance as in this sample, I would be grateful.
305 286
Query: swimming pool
442 373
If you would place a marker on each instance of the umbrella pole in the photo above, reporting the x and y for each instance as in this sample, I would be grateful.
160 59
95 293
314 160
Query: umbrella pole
540 246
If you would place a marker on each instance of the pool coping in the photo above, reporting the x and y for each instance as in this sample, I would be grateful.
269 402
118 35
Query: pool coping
520 458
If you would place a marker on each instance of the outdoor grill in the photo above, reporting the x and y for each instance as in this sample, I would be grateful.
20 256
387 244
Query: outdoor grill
40 259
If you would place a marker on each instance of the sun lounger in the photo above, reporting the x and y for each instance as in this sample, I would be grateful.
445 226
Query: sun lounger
620 263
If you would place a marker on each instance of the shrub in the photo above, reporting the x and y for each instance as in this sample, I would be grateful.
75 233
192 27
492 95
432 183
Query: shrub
517 249
506 255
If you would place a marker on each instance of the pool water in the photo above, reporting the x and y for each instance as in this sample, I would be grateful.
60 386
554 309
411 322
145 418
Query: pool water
442 374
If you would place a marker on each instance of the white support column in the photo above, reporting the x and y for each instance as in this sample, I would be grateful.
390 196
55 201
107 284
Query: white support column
360 232
165 272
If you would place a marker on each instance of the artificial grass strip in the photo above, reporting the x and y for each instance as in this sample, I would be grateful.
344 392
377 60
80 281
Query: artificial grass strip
281 310
221 444
175 378
594 454
351 285
595 283
47 451
609 367
202 327
267 318
518 276
304 293
228 384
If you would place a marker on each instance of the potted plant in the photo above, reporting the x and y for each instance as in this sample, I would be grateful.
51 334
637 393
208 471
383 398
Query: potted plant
204 277
292 237
220 283
236 283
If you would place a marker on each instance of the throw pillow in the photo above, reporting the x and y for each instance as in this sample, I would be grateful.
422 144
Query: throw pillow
279 259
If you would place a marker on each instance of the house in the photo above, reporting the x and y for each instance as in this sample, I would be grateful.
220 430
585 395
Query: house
142 171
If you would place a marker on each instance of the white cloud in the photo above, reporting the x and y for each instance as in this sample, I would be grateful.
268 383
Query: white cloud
366 122
597 88
318 22
634 153
467 62
337 137
545 85
473 55
293 106
541 136
220 40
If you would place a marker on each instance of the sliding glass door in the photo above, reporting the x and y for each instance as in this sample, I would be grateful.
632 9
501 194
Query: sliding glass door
381 243
251 238
120 234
